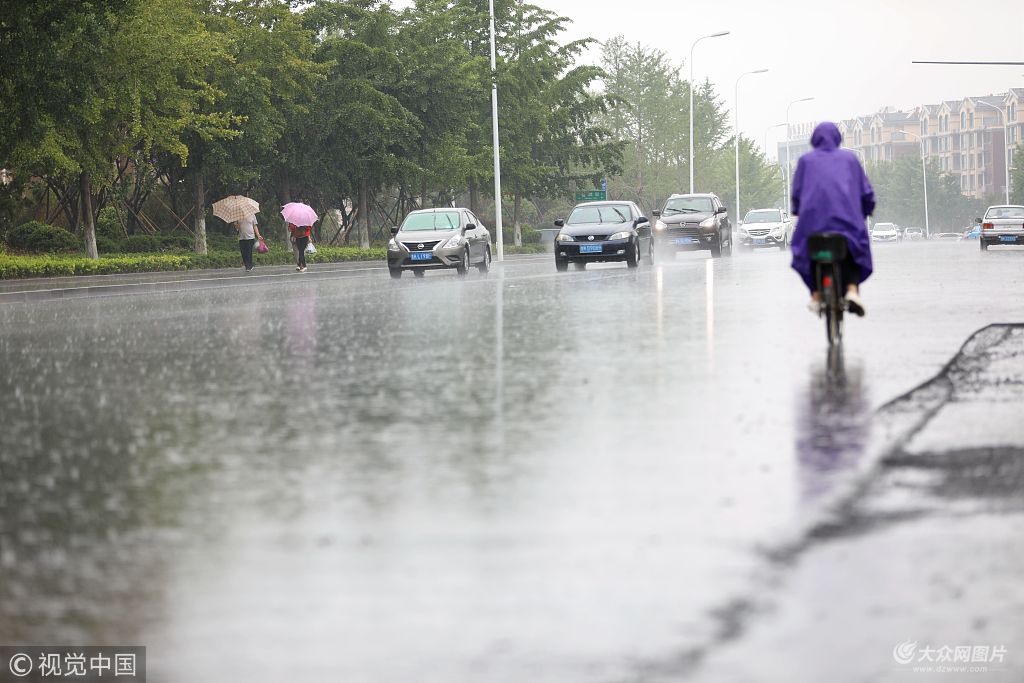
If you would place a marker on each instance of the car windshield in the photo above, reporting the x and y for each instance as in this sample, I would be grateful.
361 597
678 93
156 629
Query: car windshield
605 213
1005 212
772 216
688 205
431 220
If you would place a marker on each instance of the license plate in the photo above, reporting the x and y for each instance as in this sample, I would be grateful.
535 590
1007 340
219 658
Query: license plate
684 240
1007 238
758 240
421 255
590 248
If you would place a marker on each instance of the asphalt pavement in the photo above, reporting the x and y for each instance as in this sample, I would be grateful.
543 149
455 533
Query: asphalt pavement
591 476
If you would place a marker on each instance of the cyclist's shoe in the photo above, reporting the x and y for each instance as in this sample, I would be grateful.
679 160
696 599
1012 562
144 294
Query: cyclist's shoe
854 304
815 307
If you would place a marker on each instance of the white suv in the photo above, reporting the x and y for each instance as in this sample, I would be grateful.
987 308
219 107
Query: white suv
885 232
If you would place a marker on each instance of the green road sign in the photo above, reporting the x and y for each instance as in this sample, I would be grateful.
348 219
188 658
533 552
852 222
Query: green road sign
591 196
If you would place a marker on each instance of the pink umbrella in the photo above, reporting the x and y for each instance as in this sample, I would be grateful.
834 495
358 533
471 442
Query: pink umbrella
299 214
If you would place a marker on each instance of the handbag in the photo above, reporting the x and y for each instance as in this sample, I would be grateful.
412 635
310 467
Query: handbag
310 249
261 247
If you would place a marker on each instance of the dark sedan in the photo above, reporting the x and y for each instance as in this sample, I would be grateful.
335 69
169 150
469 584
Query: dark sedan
603 231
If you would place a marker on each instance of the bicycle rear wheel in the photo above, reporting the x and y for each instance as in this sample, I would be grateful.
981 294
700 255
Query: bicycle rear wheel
831 287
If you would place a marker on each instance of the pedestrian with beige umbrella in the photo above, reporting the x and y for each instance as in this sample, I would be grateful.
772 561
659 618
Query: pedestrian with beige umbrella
241 213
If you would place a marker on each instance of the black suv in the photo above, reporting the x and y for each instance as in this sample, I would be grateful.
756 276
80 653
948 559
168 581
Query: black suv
690 222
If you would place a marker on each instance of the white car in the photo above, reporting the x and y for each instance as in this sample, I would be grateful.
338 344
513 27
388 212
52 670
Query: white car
1002 225
885 232
765 228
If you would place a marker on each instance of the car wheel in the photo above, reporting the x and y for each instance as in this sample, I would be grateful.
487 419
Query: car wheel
984 247
418 272
396 273
716 249
633 256
650 253
728 252
561 265
463 267
485 264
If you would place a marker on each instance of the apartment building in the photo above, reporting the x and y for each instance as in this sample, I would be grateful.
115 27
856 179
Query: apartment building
965 138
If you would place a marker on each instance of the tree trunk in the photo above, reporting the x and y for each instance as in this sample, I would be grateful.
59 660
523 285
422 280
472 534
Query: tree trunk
517 231
85 206
199 209
286 198
364 214
473 198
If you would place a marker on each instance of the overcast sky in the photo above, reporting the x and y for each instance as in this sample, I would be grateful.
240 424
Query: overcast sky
852 57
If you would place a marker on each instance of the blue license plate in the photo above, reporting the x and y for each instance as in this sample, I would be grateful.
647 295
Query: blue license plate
590 248
421 255
1007 238
684 240
758 240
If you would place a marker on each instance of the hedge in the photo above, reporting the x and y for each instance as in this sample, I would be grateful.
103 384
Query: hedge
42 238
13 267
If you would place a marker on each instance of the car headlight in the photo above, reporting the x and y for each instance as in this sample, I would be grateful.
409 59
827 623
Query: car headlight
621 235
456 241
658 225
777 232
562 237
707 223
393 245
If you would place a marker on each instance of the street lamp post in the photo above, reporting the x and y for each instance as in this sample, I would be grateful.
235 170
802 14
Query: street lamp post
789 137
1006 152
497 155
736 133
713 35
924 174
766 131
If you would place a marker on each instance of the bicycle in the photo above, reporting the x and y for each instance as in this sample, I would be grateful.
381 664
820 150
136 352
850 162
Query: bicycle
828 251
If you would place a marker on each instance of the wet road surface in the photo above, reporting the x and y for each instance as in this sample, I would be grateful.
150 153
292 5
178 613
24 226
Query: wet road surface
523 476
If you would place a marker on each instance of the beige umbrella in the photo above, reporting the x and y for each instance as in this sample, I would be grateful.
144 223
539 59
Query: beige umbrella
235 208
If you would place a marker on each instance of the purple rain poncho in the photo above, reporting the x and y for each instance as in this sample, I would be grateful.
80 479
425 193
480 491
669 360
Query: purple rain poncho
831 193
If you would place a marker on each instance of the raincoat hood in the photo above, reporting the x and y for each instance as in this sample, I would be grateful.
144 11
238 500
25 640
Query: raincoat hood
826 136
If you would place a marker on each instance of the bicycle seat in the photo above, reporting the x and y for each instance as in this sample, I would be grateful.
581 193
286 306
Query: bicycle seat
826 246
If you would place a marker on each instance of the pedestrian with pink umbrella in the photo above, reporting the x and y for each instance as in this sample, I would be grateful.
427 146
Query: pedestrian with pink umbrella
300 219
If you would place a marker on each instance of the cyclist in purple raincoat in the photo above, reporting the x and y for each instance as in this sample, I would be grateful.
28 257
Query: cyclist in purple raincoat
831 193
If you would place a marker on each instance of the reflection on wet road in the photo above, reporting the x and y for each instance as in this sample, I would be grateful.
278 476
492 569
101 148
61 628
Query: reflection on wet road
528 476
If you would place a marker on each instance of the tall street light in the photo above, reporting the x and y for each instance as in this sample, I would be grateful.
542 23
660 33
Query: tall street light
713 35
497 155
766 131
924 174
1006 152
789 137
736 133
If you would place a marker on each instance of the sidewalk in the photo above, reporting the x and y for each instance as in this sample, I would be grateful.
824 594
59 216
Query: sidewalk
917 576
46 289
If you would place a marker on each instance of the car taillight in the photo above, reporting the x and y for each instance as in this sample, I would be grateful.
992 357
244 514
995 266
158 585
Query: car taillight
988 226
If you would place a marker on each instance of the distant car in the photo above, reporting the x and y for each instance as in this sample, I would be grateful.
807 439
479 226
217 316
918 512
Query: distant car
439 238
913 233
603 231
1002 224
947 236
689 222
885 232
765 228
